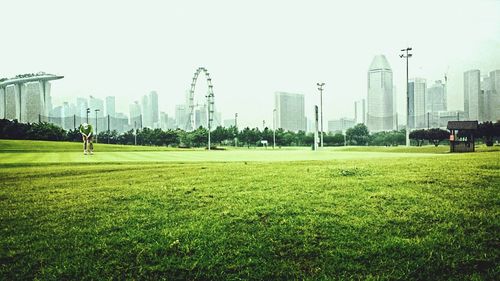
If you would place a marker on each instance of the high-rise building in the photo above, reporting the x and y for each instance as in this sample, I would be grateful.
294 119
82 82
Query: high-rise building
360 112
182 116
135 115
340 125
484 96
12 109
110 106
163 120
96 103
2 103
436 99
493 98
472 90
81 106
146 112
200 116
380 115
150 114
416 93
153 102
290 111
32 103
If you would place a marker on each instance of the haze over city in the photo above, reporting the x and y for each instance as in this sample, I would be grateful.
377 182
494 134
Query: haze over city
251 49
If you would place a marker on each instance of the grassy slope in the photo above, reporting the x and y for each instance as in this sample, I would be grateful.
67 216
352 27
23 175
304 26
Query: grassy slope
408 218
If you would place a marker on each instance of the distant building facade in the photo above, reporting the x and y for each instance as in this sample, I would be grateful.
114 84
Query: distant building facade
416 93
472 94
135 115
182 116
492 98
110 106
380 115
360 112
96 103
290 111
340 125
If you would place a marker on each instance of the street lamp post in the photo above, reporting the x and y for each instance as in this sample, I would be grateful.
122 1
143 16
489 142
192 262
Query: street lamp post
97 110
274 128
320 88
236 127
407 55
135 132
88 111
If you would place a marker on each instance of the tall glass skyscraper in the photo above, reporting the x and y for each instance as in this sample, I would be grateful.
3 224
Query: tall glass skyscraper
380 110
290 111
416 92
472 91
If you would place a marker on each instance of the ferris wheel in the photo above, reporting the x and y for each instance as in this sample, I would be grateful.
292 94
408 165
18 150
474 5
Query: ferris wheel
210 100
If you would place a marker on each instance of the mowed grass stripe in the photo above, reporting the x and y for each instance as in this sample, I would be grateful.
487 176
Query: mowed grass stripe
198 156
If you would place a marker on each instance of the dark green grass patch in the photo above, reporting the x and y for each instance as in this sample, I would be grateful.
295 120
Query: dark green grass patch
429 218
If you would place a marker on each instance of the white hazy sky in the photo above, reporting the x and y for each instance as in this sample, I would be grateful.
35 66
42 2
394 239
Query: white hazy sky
251 48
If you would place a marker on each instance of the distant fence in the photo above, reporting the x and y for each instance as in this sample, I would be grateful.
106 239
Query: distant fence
101 123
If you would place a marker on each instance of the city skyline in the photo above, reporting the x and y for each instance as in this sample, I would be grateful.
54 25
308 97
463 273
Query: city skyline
249 60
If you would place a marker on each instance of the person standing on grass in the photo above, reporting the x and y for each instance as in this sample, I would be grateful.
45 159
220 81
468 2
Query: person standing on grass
87 135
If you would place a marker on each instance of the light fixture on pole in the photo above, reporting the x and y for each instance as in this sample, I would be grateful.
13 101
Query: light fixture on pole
320 88
407 55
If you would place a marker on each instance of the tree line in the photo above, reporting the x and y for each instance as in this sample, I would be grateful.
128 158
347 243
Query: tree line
249 137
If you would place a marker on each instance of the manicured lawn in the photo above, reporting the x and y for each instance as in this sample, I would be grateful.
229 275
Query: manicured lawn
366 215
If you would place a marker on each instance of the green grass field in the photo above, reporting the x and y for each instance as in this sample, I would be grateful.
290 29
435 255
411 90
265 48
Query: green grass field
157 213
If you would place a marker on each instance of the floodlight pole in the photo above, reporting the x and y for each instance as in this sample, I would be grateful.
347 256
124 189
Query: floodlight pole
97 110
135 132
88 111
320 88
274 128
236 126
407 55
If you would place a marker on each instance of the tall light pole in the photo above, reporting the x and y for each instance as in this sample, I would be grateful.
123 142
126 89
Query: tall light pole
88 111
274 128
97 110
236 127
407 55
320 88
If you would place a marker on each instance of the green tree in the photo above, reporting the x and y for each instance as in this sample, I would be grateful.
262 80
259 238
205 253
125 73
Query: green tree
436 135
358 135
419 136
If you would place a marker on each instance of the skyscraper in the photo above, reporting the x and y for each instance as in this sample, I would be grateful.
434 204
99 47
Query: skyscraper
153 102
416 92
32 102
493 99
290 111
380 115
360 112
110 106
81 107
150 114
12 109
472 91
182 116
436 99
135 115
96 103
146 112
2 103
